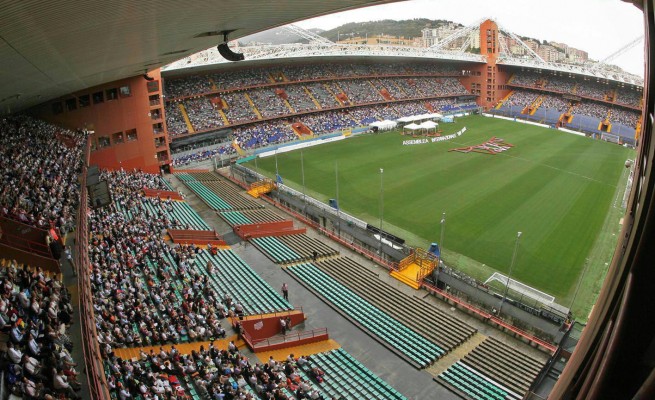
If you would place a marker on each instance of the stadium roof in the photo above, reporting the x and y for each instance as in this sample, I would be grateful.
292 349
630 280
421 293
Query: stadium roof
49 49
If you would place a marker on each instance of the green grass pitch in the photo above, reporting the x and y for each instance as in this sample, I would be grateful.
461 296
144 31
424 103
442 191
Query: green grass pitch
556 188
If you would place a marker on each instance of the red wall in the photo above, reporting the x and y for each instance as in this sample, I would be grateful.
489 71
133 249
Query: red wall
126 112
261 229
266 327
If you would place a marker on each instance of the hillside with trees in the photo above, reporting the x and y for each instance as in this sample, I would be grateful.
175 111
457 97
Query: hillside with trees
409 28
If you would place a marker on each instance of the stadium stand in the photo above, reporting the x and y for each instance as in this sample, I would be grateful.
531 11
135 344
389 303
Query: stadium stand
238 108
249 217
174 120
307 247
276 250
401 339
445 331
202 155
268 103
202 114
39 164
345 377
161 280
215 193
321 94
188 86
492 370
36 314
299 99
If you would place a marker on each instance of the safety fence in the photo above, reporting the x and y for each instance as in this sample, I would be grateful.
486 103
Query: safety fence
97 382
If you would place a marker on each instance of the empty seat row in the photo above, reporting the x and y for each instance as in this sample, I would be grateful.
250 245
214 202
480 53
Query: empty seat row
276 250
204 176
427 319
474 384
235 218
232 195
209 197
347 377
185 177
306 246
504 364
232 275
397 336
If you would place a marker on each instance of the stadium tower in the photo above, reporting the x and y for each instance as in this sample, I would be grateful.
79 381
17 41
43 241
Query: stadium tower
486 80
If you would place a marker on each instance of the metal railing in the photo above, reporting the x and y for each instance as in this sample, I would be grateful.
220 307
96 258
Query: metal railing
27 245
288 338
96 379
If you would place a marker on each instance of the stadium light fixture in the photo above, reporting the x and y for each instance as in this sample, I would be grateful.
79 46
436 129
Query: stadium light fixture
381 206
509 275
443 227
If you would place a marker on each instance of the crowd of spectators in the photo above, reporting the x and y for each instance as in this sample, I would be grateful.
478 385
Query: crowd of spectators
591 109
198 84
36 313
554 102
213 373
594 90
268 103
392 86
305 72
520 98
241 79
239 109
629 97
299 99
559 84
359 91
187 86
39 167
526 79
202 114
174 120
625 117
264 133
144 291
322 95
202 155
328 121
580 87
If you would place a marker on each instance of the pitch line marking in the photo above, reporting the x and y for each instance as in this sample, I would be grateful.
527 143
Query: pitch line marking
550 166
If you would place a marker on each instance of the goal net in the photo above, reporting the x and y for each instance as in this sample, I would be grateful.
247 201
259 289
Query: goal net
609 137
525 290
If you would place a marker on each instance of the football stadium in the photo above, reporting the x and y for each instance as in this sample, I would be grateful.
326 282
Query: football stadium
209 201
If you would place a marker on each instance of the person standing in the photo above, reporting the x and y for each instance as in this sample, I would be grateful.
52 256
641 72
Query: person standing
285 291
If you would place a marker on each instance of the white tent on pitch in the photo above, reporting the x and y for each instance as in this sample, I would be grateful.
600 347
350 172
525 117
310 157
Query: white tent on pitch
385 125
429 126
412 128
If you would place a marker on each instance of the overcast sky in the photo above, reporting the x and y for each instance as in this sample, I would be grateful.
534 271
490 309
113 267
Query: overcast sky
598 26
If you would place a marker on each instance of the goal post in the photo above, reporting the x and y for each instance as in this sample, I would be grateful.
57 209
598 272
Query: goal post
518 287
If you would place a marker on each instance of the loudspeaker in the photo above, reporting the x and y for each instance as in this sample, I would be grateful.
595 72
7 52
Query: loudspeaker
99 194
92 175
228 54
